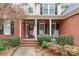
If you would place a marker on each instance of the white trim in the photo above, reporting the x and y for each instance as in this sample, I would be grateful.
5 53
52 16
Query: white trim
50 20
36 29
44 26
20 28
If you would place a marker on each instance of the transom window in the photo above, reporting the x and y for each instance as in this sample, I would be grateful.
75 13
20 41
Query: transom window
48 9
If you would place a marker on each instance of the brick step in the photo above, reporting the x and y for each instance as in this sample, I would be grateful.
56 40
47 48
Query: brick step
27 45
28 40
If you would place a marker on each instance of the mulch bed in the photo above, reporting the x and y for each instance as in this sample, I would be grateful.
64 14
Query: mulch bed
7 52
47 52
42 52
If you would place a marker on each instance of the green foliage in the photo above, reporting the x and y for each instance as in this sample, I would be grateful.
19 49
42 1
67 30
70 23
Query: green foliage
9 41
14 41
42 38
65 39
3 47
44 44
3 44
3 40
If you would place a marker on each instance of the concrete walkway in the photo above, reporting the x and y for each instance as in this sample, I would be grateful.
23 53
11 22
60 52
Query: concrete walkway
25 51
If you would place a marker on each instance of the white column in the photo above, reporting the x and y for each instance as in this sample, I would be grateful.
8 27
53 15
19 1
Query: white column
20 28
50 26
59 9
37 8
36 29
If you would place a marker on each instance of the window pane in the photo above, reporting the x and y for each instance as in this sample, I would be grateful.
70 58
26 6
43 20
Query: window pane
51 6
45 11
51 9
48 9
7 28
45 6
30 10
7 31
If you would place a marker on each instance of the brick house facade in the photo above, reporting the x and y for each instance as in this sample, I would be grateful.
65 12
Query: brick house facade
30 26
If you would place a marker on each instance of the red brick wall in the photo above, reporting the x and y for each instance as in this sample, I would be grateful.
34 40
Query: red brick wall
23 29
70 26
16 27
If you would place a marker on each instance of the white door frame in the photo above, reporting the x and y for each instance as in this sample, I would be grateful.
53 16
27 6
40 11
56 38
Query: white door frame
44 26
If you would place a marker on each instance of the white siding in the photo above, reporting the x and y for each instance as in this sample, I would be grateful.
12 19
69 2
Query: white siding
26 6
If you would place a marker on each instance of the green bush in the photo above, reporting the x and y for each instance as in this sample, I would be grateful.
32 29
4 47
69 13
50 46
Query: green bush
3 44
44 44
3 47
65 39
14 41
3 40
42 38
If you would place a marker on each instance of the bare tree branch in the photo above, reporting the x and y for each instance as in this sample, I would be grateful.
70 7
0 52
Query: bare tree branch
11 10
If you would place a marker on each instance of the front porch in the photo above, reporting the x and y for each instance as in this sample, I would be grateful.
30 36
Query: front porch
30 28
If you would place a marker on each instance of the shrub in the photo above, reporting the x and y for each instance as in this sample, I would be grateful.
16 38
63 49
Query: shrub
42 38
3 47
3 40
44 44
14 41
65 39
3 44
55 49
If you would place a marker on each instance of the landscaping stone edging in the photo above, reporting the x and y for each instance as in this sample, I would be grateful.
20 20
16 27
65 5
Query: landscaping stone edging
13 51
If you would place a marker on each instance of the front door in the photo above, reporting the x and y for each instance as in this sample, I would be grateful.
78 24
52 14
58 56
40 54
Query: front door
30 24
54 30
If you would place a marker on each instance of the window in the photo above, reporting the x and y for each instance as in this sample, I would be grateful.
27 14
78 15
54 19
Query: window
47 9
30 10
51 9
6 28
